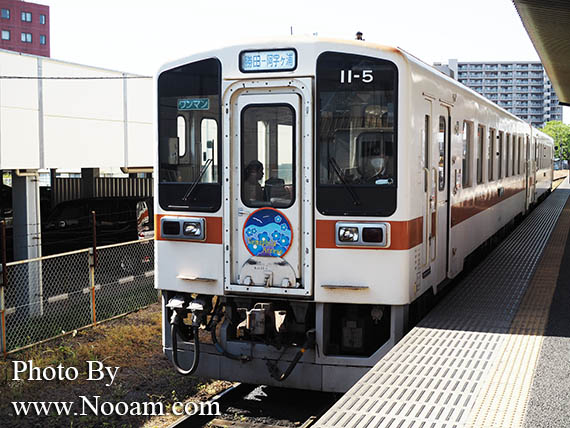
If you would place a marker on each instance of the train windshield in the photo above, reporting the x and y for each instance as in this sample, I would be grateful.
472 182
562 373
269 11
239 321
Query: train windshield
189 137
356 135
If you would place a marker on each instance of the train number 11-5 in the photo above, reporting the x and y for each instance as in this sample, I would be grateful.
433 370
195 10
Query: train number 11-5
346 76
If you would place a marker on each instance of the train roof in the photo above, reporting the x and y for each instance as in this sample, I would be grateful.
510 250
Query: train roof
298 41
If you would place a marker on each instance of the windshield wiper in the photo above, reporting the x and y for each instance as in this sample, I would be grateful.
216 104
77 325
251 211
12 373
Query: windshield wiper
202 172
348 187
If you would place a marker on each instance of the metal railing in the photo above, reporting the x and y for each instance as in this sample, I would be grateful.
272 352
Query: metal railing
43 298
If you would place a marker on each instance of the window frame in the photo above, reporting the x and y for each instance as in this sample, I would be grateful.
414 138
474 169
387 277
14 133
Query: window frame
441 169
500 151
43 19
520 150
513 159
26 16
480 155
507 151
294 155
426 141
26 37
8 32
466 180
491 154
43 39
5 11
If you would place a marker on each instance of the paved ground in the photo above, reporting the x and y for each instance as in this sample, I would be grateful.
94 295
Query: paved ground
493 353
549 403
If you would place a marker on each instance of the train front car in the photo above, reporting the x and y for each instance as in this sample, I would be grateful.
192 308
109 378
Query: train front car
287 250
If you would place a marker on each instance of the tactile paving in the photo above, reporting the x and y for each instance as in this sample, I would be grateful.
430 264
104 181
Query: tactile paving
433 376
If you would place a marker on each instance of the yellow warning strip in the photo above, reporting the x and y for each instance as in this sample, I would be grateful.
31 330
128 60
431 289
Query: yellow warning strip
503 399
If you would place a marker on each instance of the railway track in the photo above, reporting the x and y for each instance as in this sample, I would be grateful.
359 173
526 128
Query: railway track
253 406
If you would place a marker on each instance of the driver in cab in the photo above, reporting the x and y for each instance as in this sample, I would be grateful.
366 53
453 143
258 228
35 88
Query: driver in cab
252 189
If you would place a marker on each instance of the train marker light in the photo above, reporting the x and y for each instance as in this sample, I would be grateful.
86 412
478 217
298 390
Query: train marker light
373 234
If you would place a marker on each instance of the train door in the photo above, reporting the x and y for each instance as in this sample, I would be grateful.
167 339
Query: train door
528 182
430 190
266 200
440 169
530 171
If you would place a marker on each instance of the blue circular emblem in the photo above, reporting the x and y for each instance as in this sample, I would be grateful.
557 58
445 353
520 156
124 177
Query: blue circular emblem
267 233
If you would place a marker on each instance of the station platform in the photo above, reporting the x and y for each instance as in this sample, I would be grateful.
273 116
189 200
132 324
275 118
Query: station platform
495 352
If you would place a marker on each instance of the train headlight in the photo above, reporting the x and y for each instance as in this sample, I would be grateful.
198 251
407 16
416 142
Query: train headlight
193 229
348 234
190 228
357 234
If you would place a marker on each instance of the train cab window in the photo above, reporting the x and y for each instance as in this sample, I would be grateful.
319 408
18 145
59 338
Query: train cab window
480 152
490 154
467 148
507 155
188 126
441 138
356 135
268 142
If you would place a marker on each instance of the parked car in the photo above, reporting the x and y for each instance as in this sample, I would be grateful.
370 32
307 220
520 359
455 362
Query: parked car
118 219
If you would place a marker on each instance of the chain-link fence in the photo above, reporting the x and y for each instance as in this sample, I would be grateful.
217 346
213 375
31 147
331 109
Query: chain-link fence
54 295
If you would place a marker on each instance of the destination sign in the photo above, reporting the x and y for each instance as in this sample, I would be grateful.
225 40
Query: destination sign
274 60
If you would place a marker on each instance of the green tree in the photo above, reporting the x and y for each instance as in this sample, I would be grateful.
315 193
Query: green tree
561 134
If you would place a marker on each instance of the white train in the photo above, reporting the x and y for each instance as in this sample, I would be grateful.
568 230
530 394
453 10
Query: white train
310 192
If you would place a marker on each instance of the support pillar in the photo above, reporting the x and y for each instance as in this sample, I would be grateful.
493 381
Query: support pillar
54 187
88 176
26 214
27 238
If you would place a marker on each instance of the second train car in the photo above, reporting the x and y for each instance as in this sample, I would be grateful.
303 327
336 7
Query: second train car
309 191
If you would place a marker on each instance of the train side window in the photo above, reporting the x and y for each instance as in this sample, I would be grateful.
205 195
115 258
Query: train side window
467 149
500 155
427 131
520 155
480 152
441 138
513 158
490 152
507 155
527 155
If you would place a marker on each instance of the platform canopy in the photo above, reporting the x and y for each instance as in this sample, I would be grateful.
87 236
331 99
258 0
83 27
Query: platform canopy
547 22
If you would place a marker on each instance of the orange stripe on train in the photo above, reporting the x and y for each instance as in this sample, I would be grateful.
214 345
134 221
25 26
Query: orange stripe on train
403 234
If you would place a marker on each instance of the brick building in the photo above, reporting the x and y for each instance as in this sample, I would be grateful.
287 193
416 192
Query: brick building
24 27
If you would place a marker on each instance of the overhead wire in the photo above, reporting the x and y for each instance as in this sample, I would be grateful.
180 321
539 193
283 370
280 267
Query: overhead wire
72 77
